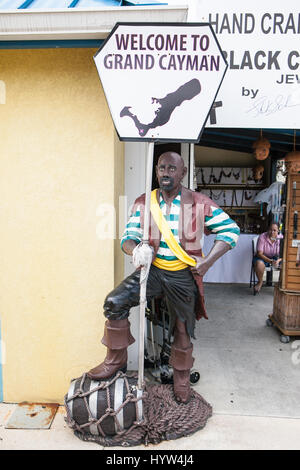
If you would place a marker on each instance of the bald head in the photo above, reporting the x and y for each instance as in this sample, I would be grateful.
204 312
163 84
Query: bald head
170 171
172 156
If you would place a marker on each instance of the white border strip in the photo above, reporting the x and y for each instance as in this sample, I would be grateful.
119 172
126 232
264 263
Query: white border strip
77 23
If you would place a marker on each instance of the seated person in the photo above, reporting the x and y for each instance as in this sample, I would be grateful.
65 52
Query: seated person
267 253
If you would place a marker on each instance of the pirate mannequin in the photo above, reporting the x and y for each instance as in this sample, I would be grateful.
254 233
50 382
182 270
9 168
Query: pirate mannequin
189 214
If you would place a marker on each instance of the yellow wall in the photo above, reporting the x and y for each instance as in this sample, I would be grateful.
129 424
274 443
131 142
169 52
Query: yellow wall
59 161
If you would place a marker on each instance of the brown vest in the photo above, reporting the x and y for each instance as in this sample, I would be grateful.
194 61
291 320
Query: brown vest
194 207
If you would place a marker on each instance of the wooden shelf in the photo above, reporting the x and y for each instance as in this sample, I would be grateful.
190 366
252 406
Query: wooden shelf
230 186
248 208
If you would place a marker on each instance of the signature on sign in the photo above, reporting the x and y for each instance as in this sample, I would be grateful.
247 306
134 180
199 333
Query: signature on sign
267 106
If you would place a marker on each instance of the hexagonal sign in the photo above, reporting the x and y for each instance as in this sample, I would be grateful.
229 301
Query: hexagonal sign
160 79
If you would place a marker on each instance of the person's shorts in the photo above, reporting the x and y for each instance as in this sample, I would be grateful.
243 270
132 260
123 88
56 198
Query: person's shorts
257 258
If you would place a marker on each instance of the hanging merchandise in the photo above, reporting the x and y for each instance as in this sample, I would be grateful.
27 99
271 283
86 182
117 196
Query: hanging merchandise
261 209
244 179
295 225
214 196
292 159
218 180
234 189
237 175
258 172
233 198
294 193
269 196
224 198
261 148
298 257
292 162
248 196
227 175
211 177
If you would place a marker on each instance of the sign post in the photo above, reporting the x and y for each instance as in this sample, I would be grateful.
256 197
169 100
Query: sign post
160 82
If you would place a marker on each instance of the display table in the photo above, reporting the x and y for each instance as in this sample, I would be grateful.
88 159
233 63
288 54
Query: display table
235 265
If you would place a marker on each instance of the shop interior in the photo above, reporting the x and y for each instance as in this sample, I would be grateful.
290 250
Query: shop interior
226 169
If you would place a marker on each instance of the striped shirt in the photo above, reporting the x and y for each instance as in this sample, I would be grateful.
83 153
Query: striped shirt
219 223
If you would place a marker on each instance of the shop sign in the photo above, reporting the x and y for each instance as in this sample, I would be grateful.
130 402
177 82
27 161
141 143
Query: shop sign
160 80
261 43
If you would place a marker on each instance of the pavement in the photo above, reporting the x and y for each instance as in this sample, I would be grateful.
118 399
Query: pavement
247 374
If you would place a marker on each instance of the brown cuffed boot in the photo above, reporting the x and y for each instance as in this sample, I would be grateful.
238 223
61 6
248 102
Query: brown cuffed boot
117 338
182 361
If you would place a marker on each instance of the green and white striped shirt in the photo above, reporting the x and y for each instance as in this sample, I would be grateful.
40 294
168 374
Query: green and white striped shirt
219 223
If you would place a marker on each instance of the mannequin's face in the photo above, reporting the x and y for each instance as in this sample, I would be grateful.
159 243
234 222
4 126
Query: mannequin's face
170 171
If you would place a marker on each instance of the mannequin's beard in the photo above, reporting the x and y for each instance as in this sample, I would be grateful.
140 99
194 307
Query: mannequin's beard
166 187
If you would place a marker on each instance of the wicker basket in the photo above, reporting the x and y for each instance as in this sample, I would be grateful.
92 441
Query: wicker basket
286 309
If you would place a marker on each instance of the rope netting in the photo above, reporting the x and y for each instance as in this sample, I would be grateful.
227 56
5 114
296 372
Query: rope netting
163 418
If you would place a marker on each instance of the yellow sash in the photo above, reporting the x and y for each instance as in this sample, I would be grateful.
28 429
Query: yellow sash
167 233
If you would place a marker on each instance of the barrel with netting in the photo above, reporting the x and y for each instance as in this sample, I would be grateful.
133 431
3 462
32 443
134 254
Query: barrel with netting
104 408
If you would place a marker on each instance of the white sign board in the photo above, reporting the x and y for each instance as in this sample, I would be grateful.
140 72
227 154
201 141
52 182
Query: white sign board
160 80
261 41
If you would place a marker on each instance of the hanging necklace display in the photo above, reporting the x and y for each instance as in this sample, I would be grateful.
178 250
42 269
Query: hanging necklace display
249 176
202 177
242 200
211 176
236 175
234 199
216 197
227 175
243 176
224 198
197 171
218 180
247 196
232 195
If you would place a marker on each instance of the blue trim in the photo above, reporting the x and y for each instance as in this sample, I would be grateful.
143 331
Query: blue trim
26 4
73 4
136 3
1 381
79 43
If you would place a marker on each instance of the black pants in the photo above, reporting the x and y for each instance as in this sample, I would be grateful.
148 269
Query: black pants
178 286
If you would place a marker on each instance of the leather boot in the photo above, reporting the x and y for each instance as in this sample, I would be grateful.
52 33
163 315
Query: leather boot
117 338
181 361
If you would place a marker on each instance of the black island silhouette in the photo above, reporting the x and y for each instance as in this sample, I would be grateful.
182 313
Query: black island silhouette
167 105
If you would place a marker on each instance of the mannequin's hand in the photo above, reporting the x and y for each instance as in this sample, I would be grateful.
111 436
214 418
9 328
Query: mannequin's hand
142 255
201 267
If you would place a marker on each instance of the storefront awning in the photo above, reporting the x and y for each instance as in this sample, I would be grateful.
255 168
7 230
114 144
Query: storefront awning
241 140
44 20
